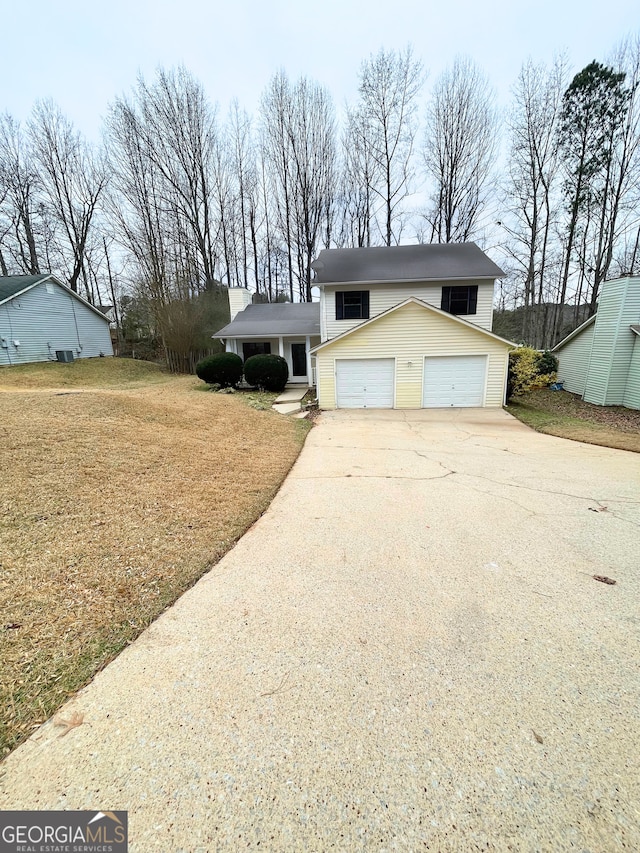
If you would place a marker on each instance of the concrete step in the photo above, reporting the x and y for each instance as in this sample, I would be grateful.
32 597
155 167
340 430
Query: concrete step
292 395
286 408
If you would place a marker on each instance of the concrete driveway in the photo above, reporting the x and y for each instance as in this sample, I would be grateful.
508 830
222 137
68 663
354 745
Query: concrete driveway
408 651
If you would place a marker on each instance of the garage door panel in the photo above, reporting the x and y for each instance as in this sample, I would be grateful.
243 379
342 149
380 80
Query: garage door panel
454 381
366 383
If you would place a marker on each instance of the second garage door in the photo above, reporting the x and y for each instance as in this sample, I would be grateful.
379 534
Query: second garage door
456 381
365 383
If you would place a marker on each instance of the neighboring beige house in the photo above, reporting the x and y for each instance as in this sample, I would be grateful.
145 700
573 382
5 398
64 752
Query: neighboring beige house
600 360
404 327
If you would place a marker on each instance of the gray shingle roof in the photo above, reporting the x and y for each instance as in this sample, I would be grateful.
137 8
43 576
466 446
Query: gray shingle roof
424 262
278 318
12 284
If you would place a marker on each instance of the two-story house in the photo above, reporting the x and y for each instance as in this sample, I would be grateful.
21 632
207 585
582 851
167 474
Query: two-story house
395 327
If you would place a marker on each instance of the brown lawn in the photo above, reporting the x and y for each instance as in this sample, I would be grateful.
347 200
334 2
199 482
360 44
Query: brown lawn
121 485
566 415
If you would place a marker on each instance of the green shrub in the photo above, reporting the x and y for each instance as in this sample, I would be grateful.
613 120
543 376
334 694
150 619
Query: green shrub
547 363
529 369
224 369
267 372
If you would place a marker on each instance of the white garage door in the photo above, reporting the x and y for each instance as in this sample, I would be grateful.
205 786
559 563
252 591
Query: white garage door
456 380
365 383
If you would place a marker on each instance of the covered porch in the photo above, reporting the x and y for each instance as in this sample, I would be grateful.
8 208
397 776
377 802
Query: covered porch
295 349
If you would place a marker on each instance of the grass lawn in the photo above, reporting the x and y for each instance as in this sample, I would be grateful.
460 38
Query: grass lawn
566 415
121 486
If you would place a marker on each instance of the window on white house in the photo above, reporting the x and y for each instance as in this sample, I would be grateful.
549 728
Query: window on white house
461 299
352 305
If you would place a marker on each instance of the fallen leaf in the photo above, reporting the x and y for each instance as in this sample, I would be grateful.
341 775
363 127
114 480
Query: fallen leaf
537 737
76 719
604 579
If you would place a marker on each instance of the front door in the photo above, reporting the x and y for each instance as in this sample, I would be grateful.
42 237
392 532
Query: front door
299 362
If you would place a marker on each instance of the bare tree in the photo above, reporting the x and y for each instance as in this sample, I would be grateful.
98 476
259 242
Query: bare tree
275 109
621 232
360 173
72 179
385 120
176 135
460 144
311 134
245 176
299 132
19 199
531 186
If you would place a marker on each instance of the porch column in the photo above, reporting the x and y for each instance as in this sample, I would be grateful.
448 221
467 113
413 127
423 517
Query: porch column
309 373
281 347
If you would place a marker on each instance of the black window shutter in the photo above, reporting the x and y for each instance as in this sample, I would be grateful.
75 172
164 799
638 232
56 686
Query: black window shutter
445 304
473 298
339 305
365 304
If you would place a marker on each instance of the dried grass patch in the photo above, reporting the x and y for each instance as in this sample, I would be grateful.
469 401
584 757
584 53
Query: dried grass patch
111 505
568 416
84 373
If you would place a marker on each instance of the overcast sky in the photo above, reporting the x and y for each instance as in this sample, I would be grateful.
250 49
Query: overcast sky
83 53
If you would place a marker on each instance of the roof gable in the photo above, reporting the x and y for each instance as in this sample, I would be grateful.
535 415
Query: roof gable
575 333
15 285
12 285
422 304
422 262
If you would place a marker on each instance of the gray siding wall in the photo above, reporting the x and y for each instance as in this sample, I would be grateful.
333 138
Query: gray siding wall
573 361
618 308
46 319
632 392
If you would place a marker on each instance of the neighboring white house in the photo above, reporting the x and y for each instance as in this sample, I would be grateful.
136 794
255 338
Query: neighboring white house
396 327
41 319
600 360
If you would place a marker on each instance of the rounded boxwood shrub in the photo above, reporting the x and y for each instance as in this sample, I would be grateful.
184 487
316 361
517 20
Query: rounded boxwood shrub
224 369
267 372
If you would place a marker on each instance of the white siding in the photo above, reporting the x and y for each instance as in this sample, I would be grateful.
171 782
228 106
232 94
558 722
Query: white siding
385 296
573 361
48 318
408 335
239 299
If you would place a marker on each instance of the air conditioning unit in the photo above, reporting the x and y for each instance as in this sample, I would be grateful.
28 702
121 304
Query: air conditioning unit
65 355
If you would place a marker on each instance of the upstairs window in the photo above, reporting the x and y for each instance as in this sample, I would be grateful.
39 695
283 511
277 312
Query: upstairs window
352 305
460 300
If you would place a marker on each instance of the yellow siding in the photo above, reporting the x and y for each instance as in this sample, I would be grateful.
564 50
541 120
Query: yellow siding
408 335
385 296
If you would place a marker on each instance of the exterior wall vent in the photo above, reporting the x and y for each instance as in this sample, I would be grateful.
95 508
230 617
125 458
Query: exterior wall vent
65 355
